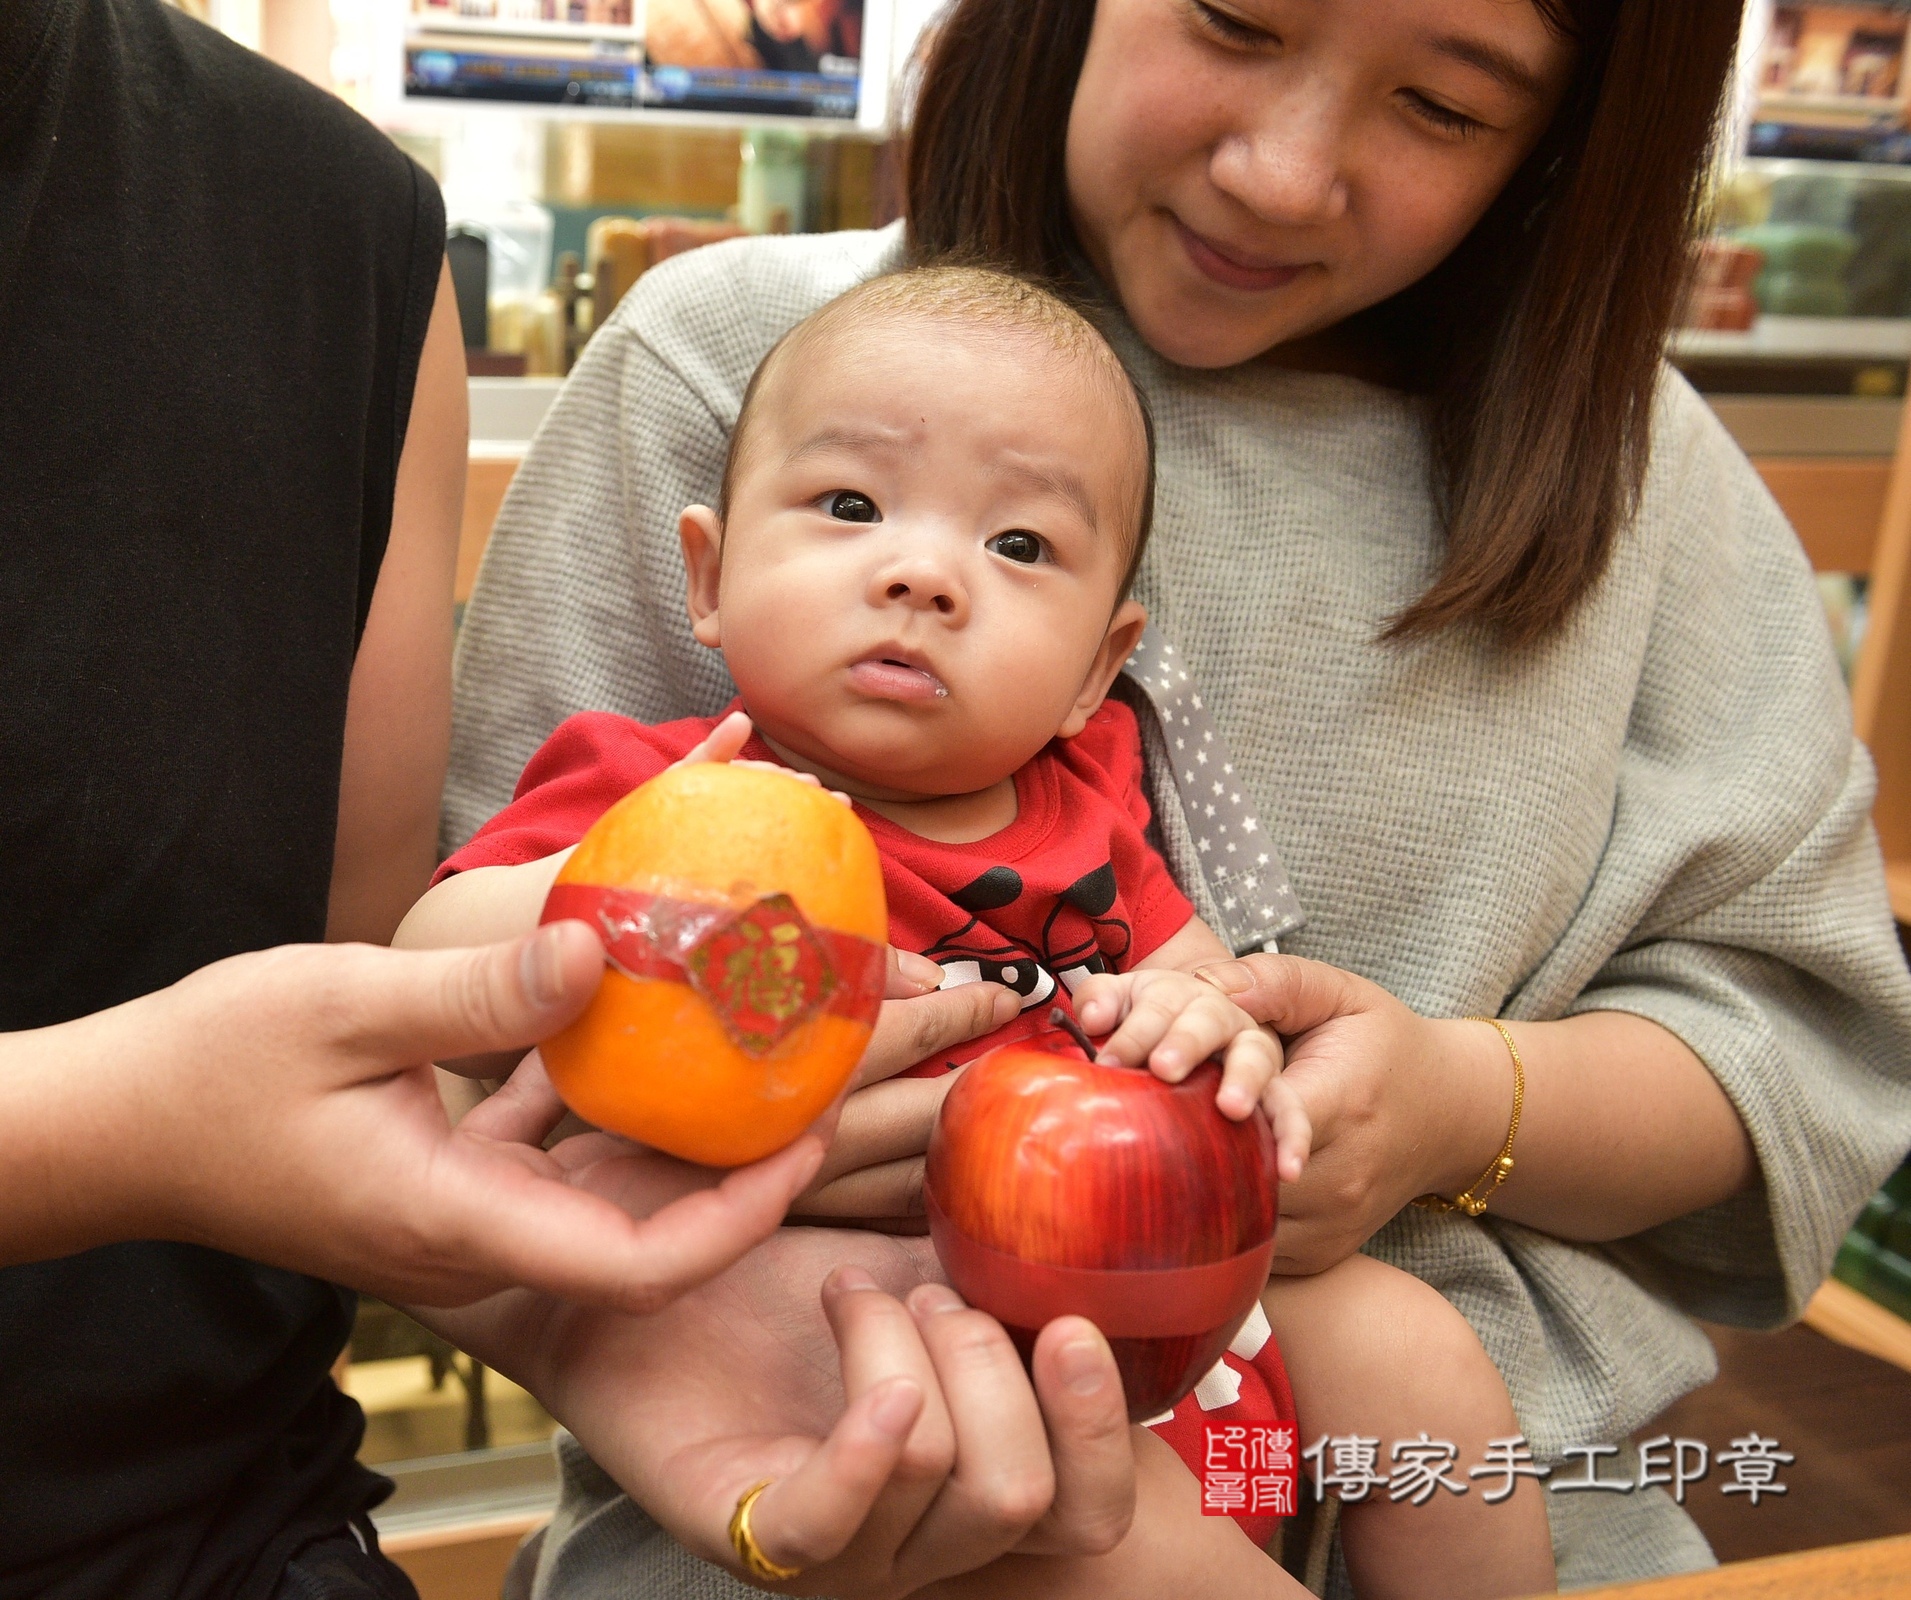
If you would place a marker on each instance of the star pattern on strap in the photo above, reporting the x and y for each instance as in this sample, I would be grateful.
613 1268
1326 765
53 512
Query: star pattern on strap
1244 871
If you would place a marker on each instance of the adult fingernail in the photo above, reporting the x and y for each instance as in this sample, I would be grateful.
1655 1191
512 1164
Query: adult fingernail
1230 977
919 970
932 1299
1081 1366
893 1410
1008 1006
810 1152
541 967
845 1279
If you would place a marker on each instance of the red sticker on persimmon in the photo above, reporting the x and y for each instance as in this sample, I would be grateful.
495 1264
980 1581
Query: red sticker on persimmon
761 966
763 972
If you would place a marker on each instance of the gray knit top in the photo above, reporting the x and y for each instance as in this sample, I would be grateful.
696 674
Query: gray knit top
1662 810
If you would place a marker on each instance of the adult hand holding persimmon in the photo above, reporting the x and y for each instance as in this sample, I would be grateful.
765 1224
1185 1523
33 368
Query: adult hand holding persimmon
874 1166
281 1105
742 912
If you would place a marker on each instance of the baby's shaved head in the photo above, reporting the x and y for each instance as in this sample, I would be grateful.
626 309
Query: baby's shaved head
988 304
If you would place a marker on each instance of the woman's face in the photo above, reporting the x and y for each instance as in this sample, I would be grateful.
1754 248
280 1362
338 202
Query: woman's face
1244 172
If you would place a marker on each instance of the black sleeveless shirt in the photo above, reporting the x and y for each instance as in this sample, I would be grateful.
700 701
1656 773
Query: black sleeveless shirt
215 281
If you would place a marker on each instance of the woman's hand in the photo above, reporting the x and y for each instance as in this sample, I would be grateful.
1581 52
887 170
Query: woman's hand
281 1105
1623 1126
901 1437
1399 1106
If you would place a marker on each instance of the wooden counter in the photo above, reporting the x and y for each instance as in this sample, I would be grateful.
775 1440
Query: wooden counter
488 473
469 1565
1877 1570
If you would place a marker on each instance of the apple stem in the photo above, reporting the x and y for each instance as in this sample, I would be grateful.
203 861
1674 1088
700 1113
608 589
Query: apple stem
1058 1018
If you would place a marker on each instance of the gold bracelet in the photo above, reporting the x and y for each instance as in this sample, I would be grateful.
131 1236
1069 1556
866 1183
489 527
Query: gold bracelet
743 1541
1473 1200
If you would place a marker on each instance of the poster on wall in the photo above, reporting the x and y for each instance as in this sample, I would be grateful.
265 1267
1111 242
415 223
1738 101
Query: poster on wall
749 58
1832 83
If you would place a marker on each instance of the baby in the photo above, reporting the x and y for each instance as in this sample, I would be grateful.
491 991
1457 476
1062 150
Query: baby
937 494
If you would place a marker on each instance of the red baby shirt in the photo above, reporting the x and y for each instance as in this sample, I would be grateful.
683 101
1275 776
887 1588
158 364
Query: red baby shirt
1071 887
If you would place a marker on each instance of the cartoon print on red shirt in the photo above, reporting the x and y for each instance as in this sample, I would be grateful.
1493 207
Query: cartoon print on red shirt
978 953
1109 940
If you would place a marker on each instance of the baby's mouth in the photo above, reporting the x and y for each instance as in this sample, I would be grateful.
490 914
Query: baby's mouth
895 678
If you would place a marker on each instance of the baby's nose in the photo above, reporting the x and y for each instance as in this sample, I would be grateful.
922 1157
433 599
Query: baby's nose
926 594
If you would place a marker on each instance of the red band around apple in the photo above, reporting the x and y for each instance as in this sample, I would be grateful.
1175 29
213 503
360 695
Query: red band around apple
762 967
1170 1302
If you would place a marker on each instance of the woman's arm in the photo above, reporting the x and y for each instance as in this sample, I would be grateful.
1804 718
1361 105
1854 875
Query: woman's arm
1728 981
398 717
1623 1126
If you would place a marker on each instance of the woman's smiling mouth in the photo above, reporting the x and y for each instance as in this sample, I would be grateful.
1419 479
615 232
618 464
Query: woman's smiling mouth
1229 269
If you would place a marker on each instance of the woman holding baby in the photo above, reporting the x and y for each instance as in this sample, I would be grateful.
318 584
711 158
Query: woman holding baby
1519 668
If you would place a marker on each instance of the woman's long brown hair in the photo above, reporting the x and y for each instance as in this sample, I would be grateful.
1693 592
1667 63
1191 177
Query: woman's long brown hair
1537 342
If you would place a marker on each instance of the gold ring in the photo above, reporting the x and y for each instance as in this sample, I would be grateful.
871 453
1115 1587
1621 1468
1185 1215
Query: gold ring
743 1541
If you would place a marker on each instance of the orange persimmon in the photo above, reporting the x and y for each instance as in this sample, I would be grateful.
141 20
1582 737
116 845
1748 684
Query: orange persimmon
743 915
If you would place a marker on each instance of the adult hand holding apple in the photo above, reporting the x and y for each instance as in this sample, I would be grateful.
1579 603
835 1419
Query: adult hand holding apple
904 1441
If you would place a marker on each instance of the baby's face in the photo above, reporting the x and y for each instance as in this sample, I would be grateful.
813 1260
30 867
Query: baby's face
927 532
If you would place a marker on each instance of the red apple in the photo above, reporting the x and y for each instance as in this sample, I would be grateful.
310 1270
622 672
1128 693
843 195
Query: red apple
1055 1185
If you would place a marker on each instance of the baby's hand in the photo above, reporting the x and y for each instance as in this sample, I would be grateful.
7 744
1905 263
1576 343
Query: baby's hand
729 736
1174 1021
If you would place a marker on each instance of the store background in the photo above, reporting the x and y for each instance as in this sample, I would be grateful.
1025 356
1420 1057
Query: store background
1799 334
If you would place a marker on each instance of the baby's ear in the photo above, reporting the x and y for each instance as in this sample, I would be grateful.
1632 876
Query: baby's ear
1125 628
701 535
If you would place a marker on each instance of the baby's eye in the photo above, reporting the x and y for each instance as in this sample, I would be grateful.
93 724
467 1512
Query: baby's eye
846 505
1018 544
